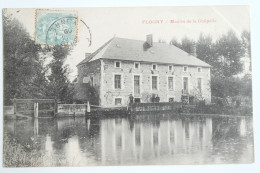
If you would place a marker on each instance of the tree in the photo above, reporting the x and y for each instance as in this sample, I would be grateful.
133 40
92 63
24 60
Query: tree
246 43
246 86
206 51
175 43
224 57
204 48
228 51
23 70
188 46
228 86
59 85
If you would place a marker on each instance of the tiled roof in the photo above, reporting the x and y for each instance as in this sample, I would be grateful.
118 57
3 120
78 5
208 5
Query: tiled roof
135 50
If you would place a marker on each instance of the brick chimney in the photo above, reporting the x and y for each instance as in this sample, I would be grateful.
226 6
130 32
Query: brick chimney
149 40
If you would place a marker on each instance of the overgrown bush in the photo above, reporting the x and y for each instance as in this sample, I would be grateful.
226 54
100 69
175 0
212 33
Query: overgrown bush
231 86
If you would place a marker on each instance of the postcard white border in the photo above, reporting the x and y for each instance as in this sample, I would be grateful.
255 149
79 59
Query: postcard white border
255 27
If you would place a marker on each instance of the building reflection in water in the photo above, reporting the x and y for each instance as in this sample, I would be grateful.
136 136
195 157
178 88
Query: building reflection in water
144 140
147 140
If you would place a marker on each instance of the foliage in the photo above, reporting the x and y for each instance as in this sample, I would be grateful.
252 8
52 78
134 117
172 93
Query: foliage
222 87
246 86
231 86
224 57
246 43
205 49
94 95
24 74
228 51
175 42
17 155
188 45
59 84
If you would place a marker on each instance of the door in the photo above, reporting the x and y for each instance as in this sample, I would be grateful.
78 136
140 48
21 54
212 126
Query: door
136 86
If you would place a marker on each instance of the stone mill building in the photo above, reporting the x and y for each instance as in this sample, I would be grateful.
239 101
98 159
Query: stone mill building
144 69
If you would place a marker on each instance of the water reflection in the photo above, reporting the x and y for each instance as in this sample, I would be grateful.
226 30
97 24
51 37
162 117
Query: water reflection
144 140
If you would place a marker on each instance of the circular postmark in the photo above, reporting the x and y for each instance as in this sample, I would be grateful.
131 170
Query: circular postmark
64 32
87 30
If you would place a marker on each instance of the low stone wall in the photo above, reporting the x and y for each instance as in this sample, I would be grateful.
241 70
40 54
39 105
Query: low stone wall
71 109
8 110
151 107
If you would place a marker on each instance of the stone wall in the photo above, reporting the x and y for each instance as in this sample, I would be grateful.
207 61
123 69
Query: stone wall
145 71
71 109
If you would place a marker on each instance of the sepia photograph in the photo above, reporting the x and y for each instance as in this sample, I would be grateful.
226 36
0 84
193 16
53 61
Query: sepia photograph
127 86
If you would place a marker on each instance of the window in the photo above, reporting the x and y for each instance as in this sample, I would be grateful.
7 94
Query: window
117 81
118 64
154 66
199 69
185 68
154 83
170 67
170 83
171 99
137 65
199 81
118 101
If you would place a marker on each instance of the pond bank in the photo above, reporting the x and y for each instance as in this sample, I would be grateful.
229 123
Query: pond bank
17 155
75 110
216 109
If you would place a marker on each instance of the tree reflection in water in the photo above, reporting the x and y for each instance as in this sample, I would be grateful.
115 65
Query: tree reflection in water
142 140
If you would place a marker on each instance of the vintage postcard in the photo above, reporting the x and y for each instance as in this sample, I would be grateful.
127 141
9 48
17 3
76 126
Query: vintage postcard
127 86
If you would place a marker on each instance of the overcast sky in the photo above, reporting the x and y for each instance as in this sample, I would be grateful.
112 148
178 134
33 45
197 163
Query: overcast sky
105 23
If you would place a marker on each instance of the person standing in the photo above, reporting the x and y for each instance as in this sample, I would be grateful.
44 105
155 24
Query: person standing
131 98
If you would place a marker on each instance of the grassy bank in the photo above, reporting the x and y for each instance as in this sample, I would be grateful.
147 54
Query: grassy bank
221 110
17 155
